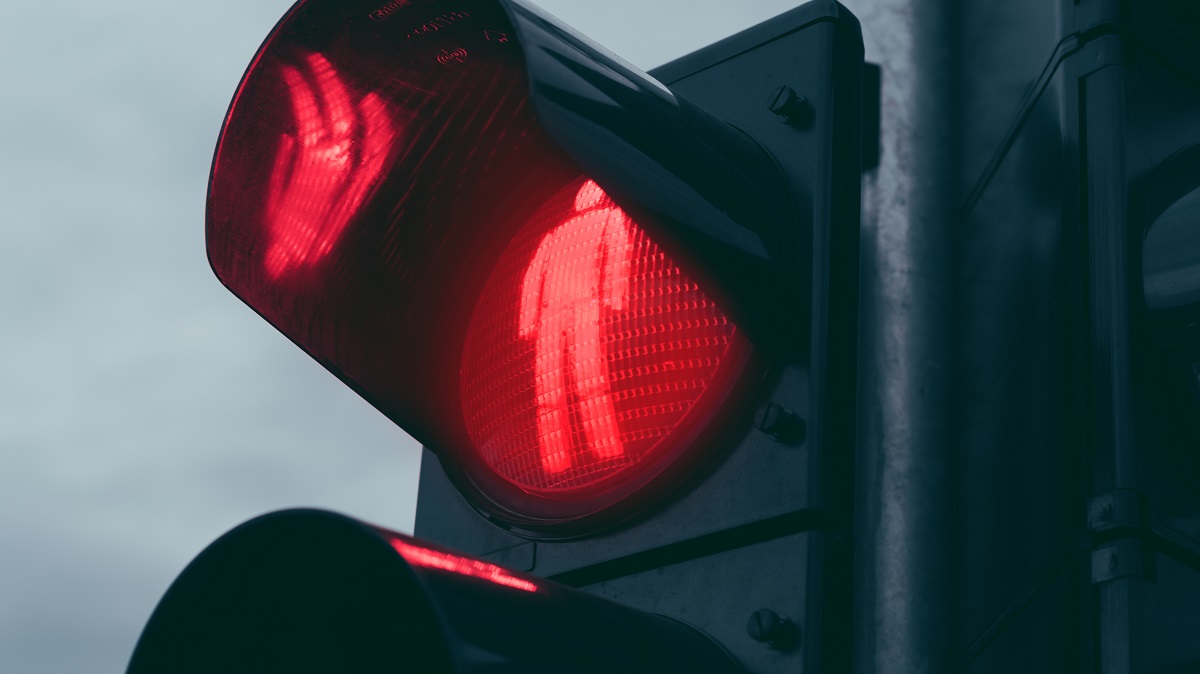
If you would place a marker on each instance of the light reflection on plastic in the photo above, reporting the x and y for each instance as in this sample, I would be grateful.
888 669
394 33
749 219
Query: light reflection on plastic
575 274
444 561
326 170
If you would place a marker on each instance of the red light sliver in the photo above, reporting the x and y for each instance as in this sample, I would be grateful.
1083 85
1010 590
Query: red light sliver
465 566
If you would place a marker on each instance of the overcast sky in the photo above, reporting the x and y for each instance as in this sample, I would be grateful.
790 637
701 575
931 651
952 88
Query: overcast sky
144 410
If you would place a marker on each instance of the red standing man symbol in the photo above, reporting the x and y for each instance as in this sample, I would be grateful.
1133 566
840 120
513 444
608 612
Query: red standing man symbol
580 269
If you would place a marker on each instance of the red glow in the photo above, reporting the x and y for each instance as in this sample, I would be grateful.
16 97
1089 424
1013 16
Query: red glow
326 170
587 349
444 561
580 267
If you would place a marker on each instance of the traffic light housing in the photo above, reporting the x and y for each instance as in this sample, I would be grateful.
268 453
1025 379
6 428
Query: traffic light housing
618 310
311 591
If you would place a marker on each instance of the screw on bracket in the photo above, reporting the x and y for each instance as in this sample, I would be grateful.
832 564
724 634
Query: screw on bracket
1121 559
792 107
783 425
1118 509
768 627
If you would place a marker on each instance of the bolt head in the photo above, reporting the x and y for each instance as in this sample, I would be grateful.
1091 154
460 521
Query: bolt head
768 627
791 106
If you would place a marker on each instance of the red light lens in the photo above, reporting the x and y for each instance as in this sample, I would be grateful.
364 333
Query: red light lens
373 183
587 350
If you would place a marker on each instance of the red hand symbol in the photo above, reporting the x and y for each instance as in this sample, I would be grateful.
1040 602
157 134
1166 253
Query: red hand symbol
327 169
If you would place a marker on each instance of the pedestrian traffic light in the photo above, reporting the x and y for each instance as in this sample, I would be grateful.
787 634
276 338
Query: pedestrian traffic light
578 285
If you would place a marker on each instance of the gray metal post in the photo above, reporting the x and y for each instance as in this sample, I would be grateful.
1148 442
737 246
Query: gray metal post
906 340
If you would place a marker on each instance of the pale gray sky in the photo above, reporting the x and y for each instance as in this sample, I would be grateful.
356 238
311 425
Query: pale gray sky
144 410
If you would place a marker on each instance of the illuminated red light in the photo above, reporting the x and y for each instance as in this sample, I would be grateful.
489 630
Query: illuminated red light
587 350
464 566
580 268
324 171
393 206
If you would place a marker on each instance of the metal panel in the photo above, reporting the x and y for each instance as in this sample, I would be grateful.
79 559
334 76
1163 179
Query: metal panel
1017 466
736 585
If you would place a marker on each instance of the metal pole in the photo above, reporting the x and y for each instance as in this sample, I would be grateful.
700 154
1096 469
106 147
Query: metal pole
906 341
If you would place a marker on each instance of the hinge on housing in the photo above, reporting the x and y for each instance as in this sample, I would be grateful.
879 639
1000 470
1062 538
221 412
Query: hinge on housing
1099 52
1118 509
